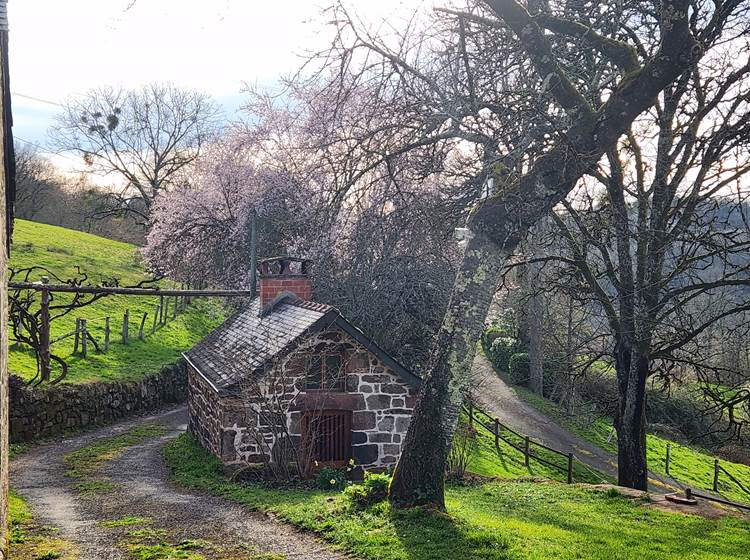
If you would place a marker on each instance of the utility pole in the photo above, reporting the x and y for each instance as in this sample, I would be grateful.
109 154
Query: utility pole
7 180
253 251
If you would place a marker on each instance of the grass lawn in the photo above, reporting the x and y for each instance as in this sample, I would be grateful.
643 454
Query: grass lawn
498 520
61 251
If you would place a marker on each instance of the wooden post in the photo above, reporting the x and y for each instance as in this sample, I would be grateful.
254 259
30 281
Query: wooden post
668 458
174 308
84 337
44 328
77 336
253 252
156 318
497 433
125 326
526 442
143 322
106 334
161 310
716 475
570 468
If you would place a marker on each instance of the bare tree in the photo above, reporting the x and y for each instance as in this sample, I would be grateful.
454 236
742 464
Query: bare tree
141 137
35 181
457 86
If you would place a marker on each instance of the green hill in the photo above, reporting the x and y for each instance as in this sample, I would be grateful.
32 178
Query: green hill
68 253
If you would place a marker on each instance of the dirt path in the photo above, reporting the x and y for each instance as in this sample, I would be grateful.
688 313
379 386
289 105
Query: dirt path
143 490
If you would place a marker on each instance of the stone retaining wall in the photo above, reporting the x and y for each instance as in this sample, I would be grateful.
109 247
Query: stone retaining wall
53 410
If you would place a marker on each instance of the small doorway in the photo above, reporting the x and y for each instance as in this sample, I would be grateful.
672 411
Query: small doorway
327 437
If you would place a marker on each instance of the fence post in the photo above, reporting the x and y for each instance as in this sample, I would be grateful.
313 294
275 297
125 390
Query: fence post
161 310
716 475
106 334
497 433
570 468
125 326
174 308
84 337
77 336
143 322
668 458
526 451
44 352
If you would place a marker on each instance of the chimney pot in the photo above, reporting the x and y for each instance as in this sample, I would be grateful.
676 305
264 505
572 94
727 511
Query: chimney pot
284 274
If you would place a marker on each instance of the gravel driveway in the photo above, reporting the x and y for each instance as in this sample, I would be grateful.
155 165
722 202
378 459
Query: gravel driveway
143 489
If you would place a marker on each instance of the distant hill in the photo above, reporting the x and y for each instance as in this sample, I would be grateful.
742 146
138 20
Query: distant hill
63 251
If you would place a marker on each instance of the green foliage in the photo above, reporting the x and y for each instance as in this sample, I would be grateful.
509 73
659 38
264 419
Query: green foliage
372 490
329 478
502 350
61 251
500 520
518 368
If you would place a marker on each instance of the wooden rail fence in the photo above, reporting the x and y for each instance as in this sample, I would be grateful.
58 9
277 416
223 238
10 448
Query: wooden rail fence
522 443
717 470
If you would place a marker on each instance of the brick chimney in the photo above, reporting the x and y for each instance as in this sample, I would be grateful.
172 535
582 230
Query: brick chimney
284 274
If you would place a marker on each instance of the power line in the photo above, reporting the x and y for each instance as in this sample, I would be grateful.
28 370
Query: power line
15 136
39 99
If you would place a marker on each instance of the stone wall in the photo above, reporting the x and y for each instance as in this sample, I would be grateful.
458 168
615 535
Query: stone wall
242 430
204 409
49 411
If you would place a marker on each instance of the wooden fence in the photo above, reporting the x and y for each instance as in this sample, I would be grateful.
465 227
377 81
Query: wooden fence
82 333
718 469
167 309
521 443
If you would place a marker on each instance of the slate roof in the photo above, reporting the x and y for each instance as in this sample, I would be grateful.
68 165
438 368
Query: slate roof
247 340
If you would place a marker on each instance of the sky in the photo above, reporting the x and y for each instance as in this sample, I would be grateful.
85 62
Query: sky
62 48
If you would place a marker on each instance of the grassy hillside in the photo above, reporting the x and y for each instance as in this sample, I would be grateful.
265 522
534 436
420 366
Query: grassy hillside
68 253
688 465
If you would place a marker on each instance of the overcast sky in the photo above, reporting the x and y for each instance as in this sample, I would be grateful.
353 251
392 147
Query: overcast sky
61 48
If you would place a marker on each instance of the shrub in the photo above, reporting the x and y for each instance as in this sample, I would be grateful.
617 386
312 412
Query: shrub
501 351
518 368
462 450
329 478
372 490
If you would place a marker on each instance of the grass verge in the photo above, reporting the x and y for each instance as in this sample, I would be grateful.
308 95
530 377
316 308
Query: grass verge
84 463
498 520
31 541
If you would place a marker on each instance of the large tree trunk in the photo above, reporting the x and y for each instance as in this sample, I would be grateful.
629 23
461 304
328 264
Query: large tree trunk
500 221
630 423
420 473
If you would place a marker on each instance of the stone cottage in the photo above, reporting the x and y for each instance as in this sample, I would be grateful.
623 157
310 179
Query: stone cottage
288 379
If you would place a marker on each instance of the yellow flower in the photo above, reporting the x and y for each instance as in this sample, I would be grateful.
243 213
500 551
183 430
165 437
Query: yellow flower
351 462
333 481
